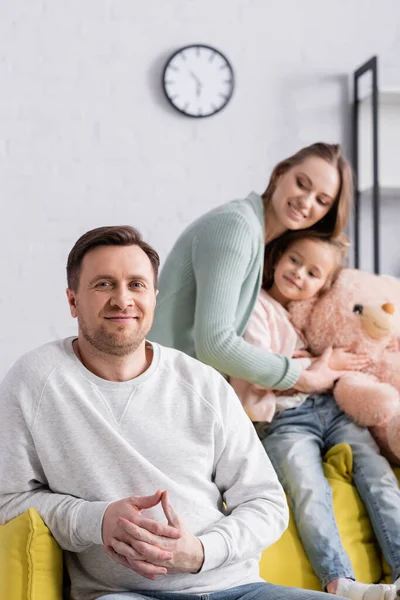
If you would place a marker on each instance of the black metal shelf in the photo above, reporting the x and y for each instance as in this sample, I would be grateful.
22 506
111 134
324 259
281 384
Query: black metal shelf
370 65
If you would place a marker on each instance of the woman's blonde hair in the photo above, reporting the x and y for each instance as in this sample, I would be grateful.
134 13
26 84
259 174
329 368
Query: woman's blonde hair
275 250
335 220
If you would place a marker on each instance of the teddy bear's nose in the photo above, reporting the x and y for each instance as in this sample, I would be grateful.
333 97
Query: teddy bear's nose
388 307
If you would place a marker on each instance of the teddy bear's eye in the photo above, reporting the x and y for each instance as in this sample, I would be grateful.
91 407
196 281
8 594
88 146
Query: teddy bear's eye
358 308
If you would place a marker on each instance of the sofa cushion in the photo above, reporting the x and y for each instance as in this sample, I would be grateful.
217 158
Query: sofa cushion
30 560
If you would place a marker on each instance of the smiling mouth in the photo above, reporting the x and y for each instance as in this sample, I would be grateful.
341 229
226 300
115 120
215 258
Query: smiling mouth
116 318
297 213
291 281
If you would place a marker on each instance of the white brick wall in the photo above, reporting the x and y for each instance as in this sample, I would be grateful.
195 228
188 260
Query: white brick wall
86 138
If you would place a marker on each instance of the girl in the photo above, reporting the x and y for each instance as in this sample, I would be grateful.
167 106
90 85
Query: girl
304 427
211 279
269 326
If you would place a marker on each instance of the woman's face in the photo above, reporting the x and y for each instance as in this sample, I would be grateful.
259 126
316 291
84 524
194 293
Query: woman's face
305 194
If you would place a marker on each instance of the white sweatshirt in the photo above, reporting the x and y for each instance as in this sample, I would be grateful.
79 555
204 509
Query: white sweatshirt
71 443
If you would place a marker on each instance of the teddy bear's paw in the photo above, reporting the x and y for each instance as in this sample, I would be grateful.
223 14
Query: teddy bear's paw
366 400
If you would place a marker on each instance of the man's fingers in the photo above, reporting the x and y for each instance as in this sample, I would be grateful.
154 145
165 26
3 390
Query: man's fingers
156 528
125 550
146 569
136 560
148 545
121 560
146 501
169 512
139 566
151 553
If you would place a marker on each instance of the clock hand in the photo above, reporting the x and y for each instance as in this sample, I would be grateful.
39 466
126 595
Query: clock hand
197 80
199 85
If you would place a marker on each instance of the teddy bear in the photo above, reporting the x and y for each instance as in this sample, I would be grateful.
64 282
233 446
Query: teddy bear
361 312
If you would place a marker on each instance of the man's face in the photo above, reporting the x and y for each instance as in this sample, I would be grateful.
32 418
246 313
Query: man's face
115 300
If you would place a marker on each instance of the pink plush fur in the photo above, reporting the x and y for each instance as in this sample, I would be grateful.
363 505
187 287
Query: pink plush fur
357 313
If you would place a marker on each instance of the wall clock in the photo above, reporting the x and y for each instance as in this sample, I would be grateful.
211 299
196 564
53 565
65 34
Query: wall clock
198 80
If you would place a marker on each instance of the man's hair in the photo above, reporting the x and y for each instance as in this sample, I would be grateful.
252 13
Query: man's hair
119 235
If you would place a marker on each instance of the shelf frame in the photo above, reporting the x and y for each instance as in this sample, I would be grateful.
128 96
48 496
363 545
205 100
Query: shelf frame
370 65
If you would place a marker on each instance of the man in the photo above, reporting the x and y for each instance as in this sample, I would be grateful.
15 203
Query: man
140 459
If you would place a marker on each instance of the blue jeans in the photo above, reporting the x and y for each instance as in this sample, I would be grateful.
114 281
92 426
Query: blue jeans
295 442
252 591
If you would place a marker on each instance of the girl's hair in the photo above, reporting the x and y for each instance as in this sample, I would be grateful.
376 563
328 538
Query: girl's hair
275 250
335 220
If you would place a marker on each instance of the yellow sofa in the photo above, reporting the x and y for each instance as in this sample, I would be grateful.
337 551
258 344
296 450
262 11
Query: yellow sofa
31 560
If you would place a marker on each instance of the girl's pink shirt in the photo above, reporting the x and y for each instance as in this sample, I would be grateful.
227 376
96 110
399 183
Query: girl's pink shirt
269 328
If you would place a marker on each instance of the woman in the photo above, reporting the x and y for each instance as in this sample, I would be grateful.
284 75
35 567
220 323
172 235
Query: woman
212 276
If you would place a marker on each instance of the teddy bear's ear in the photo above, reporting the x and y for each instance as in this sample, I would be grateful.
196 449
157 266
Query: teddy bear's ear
300 312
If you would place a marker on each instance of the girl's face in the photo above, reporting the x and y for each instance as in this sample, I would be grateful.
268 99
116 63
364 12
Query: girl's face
302 270
305 194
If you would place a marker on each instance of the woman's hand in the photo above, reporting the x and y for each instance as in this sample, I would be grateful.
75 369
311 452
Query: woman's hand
302 354
342 359
319 377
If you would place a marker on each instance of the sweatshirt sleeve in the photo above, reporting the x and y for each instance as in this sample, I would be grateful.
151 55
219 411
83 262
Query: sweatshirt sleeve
75 523
222 256
256 508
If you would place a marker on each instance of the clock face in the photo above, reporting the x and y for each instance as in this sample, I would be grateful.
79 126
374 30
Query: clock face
198 81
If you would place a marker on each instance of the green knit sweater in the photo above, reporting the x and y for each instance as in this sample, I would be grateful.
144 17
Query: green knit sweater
208 288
